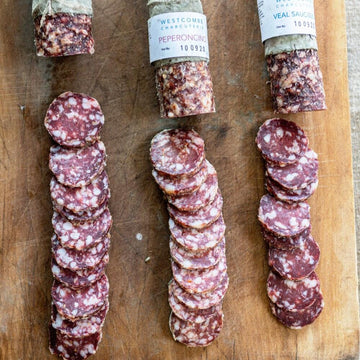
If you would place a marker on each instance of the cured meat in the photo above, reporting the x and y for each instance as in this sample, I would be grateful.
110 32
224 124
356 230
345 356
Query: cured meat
193 334
82 327
297 263
177 152
76 304
200 281
286 243
298 175
196 260
296 81
293 295
195 316
74 119
84 235
199 198
81 199
185 89
198 240
283 219
203 300
78 260
79 278
201 218
176 186
281 142
301 318
77 167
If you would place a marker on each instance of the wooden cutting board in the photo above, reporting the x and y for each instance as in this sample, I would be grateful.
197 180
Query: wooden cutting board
120 77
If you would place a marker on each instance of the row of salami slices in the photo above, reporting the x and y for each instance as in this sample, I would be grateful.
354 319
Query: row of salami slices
81 222
197 242
291 178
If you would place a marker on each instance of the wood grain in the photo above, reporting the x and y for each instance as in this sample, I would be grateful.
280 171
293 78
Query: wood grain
119 76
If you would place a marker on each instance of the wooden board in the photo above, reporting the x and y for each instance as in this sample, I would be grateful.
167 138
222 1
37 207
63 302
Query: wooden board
119 76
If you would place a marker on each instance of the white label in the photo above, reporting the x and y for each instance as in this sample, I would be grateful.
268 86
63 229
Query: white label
286 17
178 34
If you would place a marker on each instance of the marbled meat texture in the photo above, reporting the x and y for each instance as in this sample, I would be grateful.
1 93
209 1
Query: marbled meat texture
286 243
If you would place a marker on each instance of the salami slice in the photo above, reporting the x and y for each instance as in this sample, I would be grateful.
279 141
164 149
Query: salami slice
193 334
181 185
74 119
199 198
177 152
198 240
293 295
82 327
301 318
79 260
77 167
203 300
199 219
200 281
85 198
298 263
283 219
84 235
185 89
196 260
77 304
80 278
286 243
281 141
298 175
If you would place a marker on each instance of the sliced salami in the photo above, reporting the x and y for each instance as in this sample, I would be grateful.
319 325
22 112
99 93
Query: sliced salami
196 260
88 197
297 263
193 334
76 304
301 318
177 152
77 167
198 240
80 278
298 175
74 120
199 219
293 295
200 281
281 141
203 300
283 219
79 260
199 198
181 185
82 327
286 243
84 235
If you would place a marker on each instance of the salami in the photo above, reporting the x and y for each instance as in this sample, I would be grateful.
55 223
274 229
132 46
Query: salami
297 263
79 260
77 304
88 197
199 198
293 295
74 119
283 219
193 334
299 319
203 300
201 218
281 142
76 167
198 240
177 152
84 235
286 243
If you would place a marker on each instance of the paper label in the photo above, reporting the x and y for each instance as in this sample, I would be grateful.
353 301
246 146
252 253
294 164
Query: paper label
286 17
178 34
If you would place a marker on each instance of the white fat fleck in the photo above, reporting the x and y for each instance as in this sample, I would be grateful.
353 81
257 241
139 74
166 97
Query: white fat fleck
271 215
139 236
57 133
75 235
198 281
290 177
86 104
290 284
279 132
72 101
89 239
267 138
179 166
97 191
293 222
213 211
305 223
55 269
58 321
